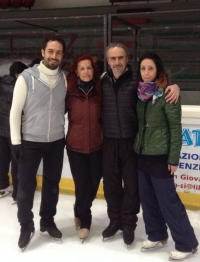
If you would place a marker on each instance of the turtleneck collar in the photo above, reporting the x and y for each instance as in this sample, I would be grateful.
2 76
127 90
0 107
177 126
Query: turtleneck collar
49 72
86 86
47 75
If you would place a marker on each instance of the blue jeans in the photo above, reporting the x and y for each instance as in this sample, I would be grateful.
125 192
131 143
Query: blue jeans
161 205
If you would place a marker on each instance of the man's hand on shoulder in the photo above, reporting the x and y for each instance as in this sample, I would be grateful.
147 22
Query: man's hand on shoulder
174 93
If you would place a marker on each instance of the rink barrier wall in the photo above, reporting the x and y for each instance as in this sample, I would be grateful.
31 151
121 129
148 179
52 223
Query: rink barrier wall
66 186
190 200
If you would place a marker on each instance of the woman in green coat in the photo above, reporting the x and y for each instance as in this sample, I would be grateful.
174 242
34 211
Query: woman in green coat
158 144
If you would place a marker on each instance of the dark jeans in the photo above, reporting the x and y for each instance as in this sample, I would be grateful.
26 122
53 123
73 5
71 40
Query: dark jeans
120 178
52 155
5 159
86 170
162 205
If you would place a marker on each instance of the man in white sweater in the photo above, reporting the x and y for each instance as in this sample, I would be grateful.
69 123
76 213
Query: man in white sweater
40 94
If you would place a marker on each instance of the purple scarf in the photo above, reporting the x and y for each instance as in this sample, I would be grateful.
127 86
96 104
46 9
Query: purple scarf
148 89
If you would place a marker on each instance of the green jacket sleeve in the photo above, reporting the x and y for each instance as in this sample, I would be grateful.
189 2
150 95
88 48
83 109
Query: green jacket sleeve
173 114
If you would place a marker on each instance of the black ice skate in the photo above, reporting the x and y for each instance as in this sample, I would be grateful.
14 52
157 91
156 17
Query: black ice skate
53 232
128 236
111 230
25 238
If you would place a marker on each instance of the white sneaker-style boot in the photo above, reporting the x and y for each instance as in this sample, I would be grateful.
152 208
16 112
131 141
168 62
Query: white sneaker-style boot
147 244
177 255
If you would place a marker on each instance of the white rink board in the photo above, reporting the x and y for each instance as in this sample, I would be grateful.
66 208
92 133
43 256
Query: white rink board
187 177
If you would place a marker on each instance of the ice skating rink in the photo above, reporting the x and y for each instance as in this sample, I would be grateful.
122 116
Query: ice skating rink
41 248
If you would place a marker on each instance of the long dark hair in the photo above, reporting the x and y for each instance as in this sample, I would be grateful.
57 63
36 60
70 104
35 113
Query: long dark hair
162 79
72 76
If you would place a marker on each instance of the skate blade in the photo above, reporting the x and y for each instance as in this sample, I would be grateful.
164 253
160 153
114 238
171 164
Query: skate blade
82 240
146 249
4 194
56 240
24 248
173 259
107 238
53 239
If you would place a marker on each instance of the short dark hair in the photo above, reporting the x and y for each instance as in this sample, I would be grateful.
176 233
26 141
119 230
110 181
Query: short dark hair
54 38
17 68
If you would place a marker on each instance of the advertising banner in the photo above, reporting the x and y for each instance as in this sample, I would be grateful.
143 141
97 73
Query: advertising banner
187 177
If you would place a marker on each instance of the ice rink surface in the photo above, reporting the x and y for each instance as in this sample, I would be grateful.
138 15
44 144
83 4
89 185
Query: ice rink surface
41 248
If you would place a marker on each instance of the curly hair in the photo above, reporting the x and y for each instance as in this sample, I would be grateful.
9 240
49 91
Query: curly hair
72 76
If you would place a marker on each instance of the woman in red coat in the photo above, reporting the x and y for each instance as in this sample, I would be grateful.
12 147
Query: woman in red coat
84 137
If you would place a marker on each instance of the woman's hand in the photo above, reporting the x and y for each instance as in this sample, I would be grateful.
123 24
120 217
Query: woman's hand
172 169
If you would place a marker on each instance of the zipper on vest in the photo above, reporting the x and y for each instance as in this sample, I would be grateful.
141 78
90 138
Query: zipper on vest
58 80
47 84
50 103
120 132
86 94
33 83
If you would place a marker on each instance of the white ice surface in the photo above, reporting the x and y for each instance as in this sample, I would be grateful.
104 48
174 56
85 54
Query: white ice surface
71 250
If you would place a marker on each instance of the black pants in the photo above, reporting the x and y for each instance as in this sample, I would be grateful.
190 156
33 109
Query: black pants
52 155
5 159
86 170
120 179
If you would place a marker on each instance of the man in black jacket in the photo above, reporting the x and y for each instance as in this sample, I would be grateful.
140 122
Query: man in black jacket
120 128
7 83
